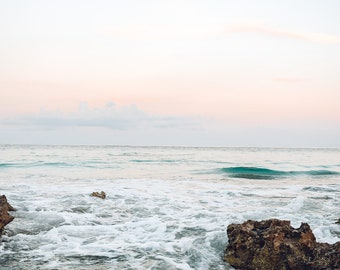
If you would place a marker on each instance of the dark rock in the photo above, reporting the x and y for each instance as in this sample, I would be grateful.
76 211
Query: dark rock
101 194
274 244
338 221
5 218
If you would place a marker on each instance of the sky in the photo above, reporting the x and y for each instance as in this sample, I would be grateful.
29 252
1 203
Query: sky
182 72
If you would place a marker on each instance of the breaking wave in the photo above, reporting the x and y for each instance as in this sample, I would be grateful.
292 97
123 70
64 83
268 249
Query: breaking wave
264 173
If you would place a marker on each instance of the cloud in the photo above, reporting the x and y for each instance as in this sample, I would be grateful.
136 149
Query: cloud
128 125
289 79
285 33
159 32
108 116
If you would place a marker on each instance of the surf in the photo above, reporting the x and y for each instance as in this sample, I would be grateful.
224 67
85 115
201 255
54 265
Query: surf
265 173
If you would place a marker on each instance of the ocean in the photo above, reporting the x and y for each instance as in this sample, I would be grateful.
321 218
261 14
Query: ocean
166 207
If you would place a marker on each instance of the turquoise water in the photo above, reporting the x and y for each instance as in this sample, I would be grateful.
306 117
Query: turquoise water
264 173
166 207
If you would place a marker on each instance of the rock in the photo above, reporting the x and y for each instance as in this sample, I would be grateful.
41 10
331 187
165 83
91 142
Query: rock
274 244
338 221
5 218
101 194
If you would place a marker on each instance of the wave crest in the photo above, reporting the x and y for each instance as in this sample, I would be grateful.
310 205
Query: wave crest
264 173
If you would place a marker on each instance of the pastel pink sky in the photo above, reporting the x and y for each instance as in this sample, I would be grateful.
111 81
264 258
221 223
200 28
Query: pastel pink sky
225 67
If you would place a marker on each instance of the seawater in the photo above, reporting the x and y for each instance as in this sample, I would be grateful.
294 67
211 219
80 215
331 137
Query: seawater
166 207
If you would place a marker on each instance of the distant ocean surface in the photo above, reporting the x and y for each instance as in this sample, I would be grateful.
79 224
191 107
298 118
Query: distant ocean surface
166 207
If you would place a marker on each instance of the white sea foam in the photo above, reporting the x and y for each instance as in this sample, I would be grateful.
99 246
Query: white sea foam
177 220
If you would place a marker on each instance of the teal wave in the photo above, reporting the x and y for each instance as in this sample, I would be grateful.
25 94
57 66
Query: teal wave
35 164
3 165
264 173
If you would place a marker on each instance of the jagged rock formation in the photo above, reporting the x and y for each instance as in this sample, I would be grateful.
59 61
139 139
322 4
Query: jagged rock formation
101 194
5 218
274 244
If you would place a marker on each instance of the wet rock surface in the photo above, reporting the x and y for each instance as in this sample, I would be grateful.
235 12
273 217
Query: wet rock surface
5 217
101 194
274 244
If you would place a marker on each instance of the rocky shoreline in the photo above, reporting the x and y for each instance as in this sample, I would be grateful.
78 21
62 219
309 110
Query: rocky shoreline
5 217
274 244
268 244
